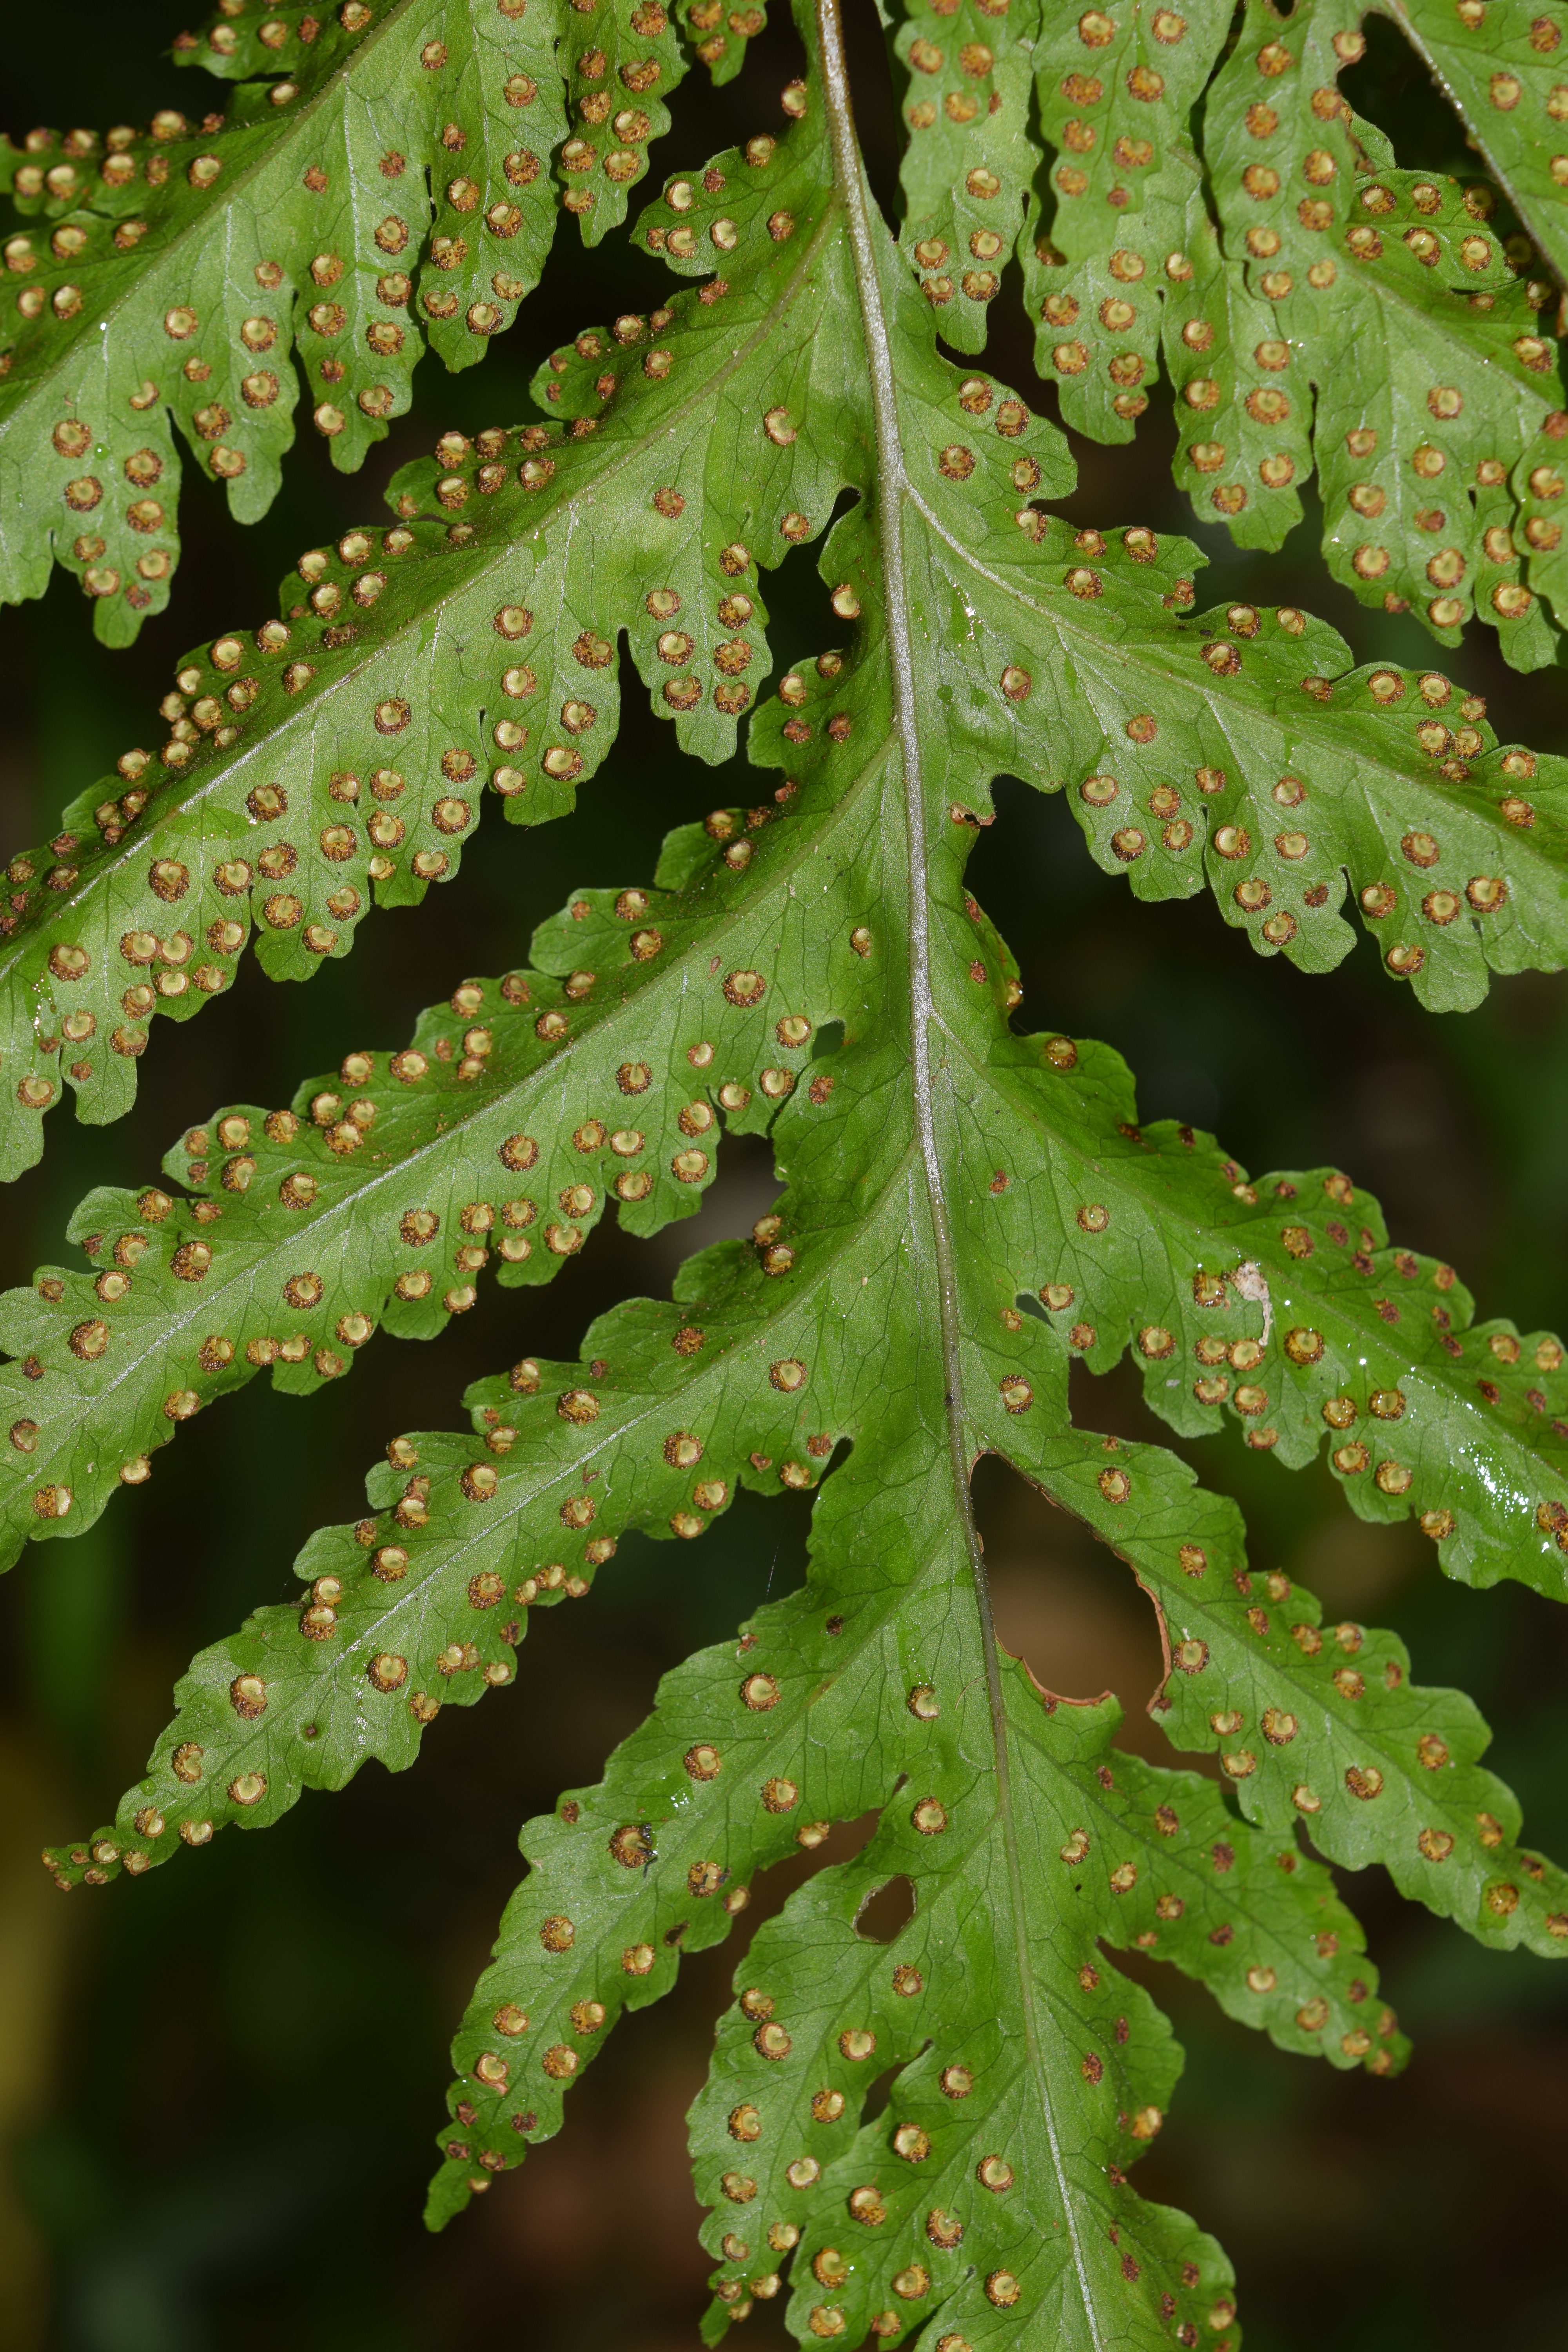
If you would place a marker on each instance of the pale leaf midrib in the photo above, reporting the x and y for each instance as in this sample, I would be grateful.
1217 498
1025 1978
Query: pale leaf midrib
893 490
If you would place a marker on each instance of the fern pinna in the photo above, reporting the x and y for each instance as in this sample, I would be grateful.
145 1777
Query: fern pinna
969 1207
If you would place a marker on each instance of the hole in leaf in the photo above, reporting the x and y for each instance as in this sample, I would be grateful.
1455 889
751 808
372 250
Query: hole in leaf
1112 1403
800 617
877 2097
1391 88
743 1188
1066 1606
886 1912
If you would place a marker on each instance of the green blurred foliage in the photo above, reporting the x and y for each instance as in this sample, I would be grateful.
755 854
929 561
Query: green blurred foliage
218 2085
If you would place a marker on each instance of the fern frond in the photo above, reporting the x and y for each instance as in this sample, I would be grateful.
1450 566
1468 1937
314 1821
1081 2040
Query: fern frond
1172 1232
523 1109
394 184
703 444
753 1751
423 1601
966 1211
744 1748
1408 257
1426 443
1459 1464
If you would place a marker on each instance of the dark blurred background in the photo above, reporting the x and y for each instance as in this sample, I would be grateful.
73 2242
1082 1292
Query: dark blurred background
218 2085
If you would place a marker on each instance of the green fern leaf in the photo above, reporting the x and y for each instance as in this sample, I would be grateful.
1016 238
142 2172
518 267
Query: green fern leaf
523 1109
1237 744
1383 1771
1253 1300
214 250
1507 79
970 159
749 1749
1115 95
967 1212
1319 247
627 1877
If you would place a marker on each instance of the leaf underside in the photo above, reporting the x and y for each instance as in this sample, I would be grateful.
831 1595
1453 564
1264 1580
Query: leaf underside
342 754
967 1208
1248 262
385 178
